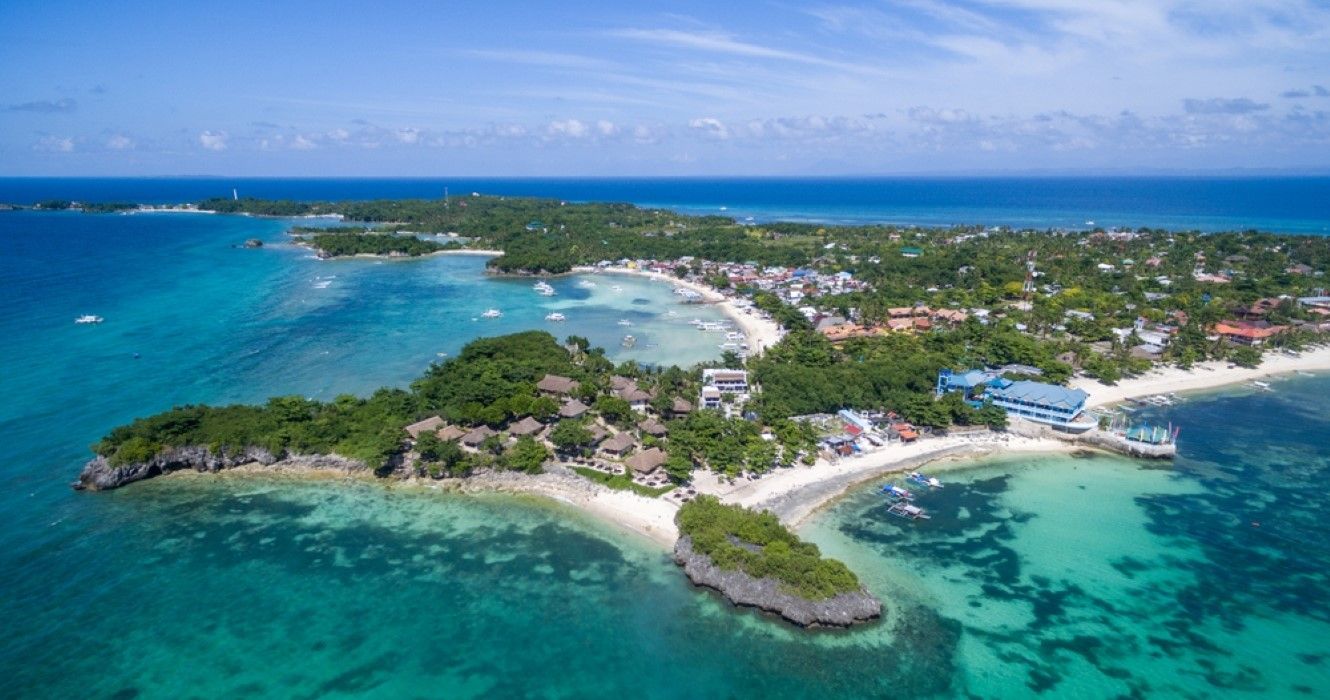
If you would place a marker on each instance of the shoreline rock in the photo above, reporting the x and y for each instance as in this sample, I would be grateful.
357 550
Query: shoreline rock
765 594
100 475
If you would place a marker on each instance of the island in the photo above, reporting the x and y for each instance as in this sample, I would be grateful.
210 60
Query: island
863 351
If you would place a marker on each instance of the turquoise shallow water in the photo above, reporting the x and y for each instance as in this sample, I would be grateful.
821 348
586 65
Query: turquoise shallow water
1073 578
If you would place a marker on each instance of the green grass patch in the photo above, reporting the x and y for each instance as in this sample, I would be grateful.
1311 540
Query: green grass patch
622 482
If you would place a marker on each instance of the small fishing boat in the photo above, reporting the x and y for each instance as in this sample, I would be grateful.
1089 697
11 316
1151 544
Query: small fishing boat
629 341
555 316
492 313
88 319
586 284
734 335
617 288
625 322
918 478
1263 386
909 511
895 491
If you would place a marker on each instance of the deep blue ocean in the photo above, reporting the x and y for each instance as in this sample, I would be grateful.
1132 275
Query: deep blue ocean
1100 577
1278 204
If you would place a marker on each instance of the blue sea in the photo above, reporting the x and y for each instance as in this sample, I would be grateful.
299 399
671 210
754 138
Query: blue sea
1057 576
1278 204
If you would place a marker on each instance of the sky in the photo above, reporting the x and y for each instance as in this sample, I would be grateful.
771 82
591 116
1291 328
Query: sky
501 88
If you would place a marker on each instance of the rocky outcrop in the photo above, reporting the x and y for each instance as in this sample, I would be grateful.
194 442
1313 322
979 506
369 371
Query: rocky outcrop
765 593
253 243
100 475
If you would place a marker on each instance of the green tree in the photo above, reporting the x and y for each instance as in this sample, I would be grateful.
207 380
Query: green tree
526 455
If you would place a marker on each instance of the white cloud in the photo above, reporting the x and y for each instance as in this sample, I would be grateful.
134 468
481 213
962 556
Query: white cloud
213 140
55 144
710 126
409 135
571 128
606 128
120 142
300 143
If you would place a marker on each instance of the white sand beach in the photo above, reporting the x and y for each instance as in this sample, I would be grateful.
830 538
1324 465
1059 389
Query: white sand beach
796 493
1205 375
761 332
652 518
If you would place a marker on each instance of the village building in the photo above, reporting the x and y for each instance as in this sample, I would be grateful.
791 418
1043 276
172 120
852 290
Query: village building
554 385
646 461
477 436
451 433
618 445
526 427
428 425
1247 333
652 427
573 409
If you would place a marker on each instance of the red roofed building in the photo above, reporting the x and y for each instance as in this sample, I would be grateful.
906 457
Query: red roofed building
1242 333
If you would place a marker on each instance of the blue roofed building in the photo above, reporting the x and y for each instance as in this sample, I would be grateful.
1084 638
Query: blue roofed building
1050 404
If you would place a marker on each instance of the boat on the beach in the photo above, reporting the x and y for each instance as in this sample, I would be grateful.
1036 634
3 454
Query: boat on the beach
492 313
555 316
88 319
734 335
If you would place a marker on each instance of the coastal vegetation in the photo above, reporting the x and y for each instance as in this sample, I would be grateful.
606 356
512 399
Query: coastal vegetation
756 543
336 245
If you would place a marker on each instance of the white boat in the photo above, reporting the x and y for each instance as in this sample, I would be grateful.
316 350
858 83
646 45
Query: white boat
671 314
492 313
1262 385
556 316
732 347
625 322
586 284
88 318
617 288
629 341
544 289
734 335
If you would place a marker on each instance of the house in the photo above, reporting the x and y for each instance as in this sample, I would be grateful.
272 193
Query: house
905 432
450 433
554 385
646 461
477 436
652 427
618 383
680 407
637 399
1246 333
710 397
573 409
1299 269
526 427
428 425
911 252
597 433
618 445
733 381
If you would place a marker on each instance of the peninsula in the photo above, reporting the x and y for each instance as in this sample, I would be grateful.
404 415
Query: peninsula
867 350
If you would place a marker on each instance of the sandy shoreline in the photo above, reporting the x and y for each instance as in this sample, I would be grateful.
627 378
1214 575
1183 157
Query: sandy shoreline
761 333
1205 375
797 493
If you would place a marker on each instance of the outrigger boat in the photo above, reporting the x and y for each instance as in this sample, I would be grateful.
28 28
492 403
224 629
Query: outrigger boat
897 492
922 480
904 509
